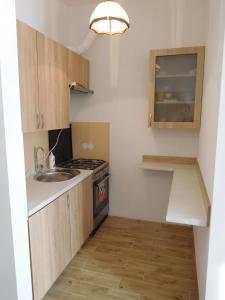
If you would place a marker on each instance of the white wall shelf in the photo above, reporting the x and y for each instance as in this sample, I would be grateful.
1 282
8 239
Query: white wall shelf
187 198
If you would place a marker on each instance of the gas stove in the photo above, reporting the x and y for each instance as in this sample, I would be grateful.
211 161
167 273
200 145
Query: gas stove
85 164
99 167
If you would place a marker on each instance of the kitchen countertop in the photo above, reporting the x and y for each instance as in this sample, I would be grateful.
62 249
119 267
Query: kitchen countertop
40 194
186 200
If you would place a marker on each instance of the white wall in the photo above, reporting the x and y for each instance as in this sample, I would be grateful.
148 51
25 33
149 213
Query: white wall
208 147
119 77
15 278
215 288
46 16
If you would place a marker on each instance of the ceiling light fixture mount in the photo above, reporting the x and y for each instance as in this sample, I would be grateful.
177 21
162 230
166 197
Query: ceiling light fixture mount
109 18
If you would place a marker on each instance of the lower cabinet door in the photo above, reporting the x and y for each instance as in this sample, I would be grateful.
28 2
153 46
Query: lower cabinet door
50 244
81 213
86 194
75 220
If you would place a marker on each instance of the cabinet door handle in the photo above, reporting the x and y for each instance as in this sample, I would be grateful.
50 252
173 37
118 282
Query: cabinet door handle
42 121
38 120
150 119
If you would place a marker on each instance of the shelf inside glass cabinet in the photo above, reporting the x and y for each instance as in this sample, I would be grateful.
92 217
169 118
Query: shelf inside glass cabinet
175 80
166 76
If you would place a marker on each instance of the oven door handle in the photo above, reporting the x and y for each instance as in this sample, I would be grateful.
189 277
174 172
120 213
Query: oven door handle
103 180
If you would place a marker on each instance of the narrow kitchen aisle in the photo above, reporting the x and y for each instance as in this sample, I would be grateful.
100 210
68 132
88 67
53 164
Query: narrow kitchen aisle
131 260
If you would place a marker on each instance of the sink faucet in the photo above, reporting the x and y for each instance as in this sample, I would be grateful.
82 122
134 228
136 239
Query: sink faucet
38 166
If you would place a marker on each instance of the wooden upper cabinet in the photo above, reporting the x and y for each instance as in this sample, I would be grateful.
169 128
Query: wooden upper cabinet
85 72
75 67
28 75
53 83
50 244
78 69
176 79
46 68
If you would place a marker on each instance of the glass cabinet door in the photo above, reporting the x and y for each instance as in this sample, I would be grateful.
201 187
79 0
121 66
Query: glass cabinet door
176 79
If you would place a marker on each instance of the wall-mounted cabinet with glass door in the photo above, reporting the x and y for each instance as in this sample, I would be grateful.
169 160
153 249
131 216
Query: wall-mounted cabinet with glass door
176 77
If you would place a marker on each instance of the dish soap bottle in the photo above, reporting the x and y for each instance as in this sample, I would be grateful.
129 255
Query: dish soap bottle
51 161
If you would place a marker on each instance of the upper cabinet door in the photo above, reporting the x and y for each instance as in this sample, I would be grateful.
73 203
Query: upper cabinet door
78 69
75 67
85 72
28 75
53 83
176 78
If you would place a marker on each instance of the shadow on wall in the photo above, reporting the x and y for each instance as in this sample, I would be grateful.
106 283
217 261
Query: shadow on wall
164 137
147 193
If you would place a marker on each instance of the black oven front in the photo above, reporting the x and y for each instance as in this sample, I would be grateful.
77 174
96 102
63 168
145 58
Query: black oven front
101 199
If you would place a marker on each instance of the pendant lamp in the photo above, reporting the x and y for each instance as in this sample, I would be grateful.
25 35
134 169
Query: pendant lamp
109 18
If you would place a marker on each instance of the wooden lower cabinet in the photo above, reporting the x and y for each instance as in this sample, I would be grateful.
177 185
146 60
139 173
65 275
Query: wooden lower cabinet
57 232
86 194
49 244
81 214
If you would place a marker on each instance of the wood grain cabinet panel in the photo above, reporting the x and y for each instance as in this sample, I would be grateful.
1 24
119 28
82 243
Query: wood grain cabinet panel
81 213
75 67
50 244
75 220
85 69
86 207
78 69
28 75
53 83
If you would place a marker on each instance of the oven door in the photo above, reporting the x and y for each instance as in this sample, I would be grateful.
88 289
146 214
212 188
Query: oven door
101 194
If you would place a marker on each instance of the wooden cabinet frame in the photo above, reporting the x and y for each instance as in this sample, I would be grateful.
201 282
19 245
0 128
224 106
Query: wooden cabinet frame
200 51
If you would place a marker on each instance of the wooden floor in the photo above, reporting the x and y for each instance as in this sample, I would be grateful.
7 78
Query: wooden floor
131 260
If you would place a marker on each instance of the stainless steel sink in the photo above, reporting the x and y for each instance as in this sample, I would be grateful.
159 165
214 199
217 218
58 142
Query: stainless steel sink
56 175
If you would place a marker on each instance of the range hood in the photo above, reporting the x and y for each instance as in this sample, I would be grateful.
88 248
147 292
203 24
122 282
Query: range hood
79 89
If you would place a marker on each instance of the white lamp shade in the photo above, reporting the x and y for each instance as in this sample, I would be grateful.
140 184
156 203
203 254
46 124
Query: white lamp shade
109 18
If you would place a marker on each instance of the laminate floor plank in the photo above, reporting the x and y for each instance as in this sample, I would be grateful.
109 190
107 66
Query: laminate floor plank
131 260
